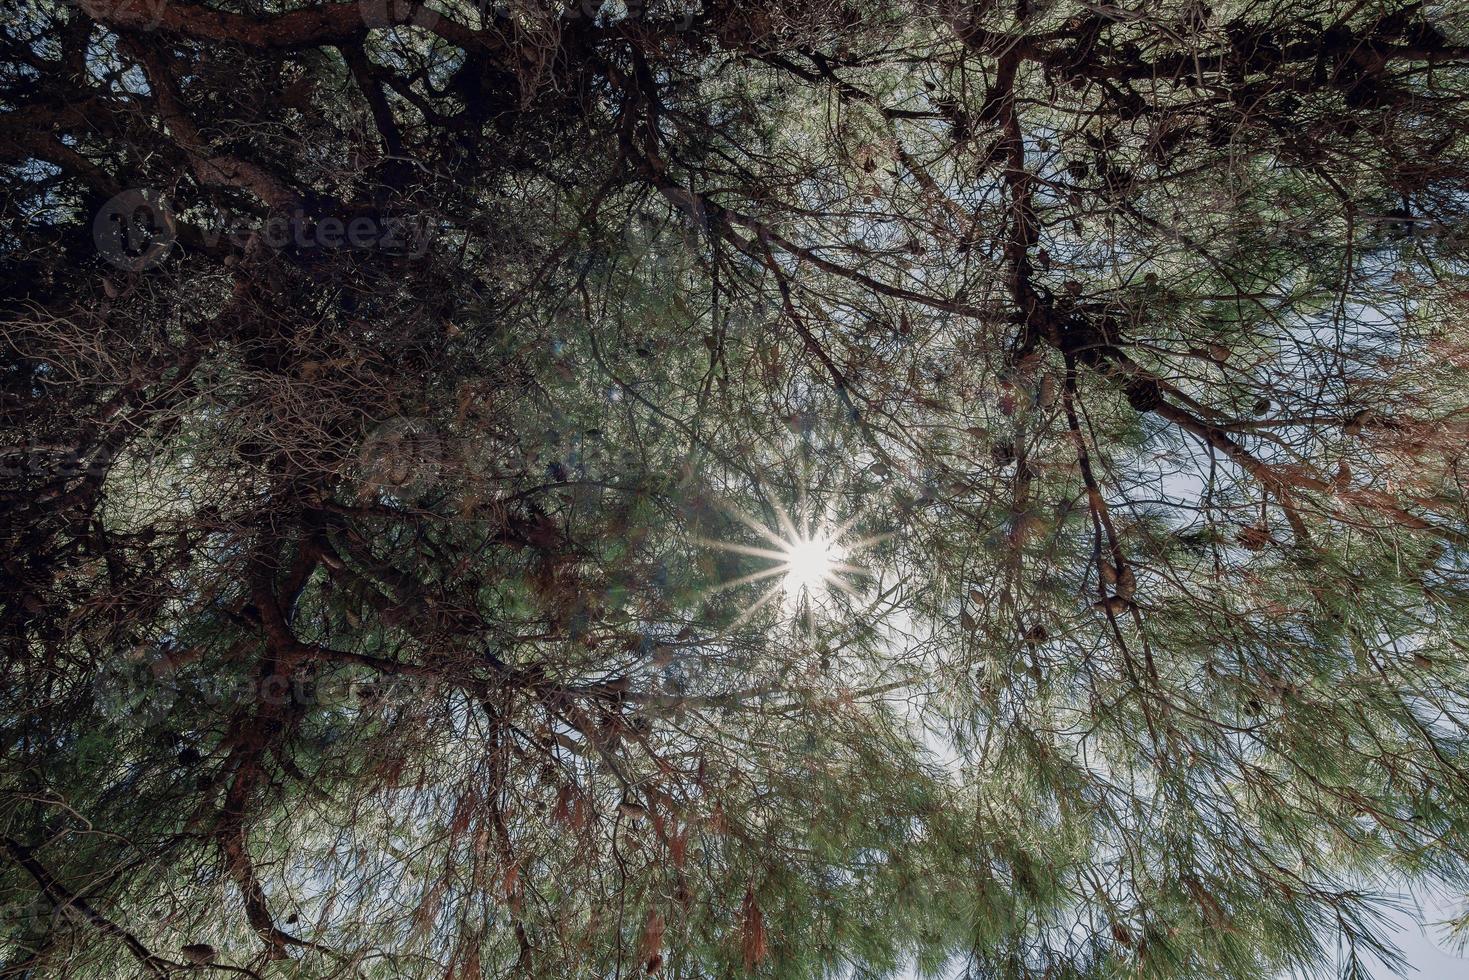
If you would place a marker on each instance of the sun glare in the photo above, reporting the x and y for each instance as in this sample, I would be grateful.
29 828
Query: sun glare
808 563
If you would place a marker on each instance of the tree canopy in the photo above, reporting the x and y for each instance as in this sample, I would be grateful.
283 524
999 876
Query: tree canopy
716 489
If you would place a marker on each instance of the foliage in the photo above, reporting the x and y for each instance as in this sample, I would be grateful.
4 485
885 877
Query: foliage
395 394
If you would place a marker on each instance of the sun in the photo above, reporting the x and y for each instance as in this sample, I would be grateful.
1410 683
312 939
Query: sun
811 564
808 562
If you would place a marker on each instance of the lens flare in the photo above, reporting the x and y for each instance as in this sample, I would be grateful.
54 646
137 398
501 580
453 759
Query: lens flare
808 563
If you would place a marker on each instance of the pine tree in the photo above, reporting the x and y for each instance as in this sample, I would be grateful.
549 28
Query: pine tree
725 490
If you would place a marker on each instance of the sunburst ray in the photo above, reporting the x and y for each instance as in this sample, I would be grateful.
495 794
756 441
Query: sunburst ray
808 555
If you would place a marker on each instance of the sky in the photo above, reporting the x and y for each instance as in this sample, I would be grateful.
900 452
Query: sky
1427 955
1425 950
